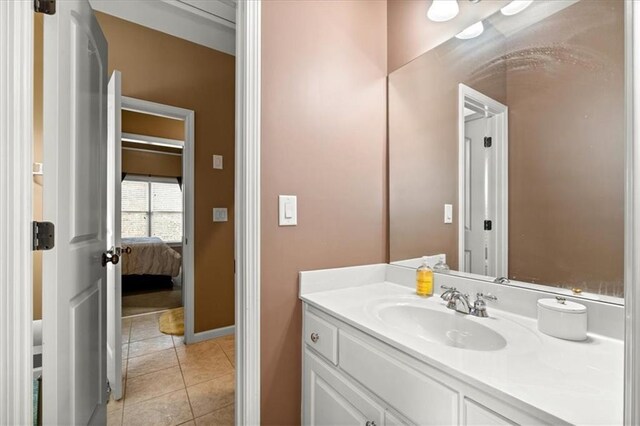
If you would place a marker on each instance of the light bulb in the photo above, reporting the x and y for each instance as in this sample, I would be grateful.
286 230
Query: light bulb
471 32
516 6
443 10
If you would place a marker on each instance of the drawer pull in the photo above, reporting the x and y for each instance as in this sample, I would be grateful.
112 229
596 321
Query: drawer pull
370 423
314 338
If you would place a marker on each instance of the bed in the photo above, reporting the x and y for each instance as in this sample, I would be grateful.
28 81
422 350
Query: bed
151 263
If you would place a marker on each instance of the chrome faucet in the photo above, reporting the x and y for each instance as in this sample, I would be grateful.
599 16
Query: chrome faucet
455 300
502 280
459 302
446 296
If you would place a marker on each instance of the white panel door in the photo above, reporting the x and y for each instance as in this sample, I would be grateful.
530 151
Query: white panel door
75 200
480 164
114 271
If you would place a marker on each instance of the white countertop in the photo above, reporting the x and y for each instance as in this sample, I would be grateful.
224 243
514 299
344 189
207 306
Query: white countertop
576 382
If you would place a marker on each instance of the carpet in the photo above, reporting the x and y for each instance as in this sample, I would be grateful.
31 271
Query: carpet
172 322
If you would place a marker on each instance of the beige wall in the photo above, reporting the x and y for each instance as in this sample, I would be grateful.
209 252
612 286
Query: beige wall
565 147
411 33
566 151
323 139
151 163
152 125
160 68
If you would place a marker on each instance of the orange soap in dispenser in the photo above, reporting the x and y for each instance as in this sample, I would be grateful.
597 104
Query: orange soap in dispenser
424 279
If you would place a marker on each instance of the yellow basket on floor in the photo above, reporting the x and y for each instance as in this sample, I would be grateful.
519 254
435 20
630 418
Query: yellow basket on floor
172 322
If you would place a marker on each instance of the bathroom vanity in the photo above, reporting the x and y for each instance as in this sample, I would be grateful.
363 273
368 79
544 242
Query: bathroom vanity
374 354
517 135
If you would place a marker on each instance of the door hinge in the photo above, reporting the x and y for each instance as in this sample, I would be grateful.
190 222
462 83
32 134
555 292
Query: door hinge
47 7
487 141
43 236
488 225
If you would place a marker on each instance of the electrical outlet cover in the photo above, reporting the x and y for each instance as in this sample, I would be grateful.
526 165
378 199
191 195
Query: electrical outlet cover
220 214
217 162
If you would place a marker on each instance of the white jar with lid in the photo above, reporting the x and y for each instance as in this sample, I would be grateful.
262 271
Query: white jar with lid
562 318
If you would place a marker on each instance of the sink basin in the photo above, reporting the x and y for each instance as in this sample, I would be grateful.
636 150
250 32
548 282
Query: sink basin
446 328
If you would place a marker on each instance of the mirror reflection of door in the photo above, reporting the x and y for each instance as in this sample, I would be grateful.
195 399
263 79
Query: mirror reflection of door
480 160
483 140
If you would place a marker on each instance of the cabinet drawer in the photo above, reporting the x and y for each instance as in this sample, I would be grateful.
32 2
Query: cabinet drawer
321 336
479 415
418 397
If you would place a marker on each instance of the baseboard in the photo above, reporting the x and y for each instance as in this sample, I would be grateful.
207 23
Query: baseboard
212 334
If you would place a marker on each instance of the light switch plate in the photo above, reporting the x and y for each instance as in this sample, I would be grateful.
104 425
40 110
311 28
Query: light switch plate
217 162
287 210
220 214
448 213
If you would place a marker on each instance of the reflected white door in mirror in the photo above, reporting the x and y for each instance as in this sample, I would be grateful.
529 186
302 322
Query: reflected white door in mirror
482 184
377 354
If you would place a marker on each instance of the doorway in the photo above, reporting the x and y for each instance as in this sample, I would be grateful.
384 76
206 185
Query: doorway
482 184
17 344
150 225
152 213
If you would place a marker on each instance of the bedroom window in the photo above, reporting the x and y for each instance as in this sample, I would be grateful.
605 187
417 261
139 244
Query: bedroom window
152 207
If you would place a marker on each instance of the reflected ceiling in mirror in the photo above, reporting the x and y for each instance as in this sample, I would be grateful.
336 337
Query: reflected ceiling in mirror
555 200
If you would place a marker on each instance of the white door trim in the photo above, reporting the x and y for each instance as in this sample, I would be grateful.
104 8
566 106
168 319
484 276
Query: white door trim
632 219
16 285
188 116
247 212
502 176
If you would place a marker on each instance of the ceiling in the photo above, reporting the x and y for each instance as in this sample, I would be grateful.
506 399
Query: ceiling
210 23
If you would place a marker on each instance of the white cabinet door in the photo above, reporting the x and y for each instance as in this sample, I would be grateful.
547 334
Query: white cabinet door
330 400
479 415
75 199
391 420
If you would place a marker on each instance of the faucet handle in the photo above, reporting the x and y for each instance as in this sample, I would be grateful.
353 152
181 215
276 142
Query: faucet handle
488 296
448 293
480 306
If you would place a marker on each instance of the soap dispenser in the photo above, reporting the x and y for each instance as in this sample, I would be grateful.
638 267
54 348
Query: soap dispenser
424 279
441 266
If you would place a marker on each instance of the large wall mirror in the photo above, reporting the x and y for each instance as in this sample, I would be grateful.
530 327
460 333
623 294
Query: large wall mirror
517 127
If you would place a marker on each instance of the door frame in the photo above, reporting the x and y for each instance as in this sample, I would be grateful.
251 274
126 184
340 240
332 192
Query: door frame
16 120
501 112
632 216
188 197
247 211
16 181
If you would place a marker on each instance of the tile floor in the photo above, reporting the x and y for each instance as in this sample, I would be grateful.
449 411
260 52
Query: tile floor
168 383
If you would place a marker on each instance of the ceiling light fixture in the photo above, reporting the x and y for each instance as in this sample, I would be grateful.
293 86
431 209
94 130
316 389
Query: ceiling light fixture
471 32
516 6
443 10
